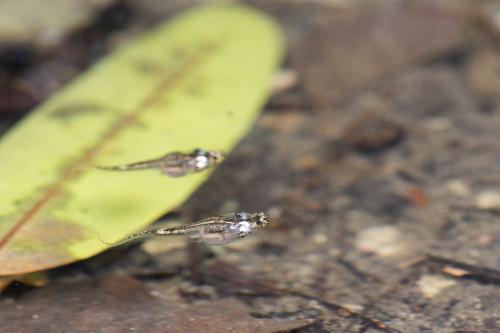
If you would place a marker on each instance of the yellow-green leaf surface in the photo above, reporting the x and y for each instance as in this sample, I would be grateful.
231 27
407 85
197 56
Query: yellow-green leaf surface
196 81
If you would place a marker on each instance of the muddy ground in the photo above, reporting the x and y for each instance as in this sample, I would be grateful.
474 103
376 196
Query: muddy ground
380 168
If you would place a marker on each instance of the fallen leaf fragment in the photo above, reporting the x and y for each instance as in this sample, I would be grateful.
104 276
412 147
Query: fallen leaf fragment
101 305
454 271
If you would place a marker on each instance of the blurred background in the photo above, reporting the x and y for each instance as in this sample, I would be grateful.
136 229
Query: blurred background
378 159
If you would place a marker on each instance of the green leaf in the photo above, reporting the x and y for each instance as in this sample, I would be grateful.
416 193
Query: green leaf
198 81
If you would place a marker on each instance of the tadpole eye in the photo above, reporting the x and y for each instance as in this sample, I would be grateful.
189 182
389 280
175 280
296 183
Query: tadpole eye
241 216
199 152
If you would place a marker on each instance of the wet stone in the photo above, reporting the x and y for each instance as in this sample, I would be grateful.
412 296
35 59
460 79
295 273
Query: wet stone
489 199
372 133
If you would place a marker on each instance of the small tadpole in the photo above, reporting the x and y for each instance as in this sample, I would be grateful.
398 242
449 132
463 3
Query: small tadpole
175 164
217 230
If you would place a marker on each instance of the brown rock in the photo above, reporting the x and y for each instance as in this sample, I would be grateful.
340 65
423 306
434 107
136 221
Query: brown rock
372 133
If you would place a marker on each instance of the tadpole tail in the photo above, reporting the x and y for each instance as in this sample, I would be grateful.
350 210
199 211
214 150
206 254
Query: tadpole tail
149 164
160 230
133 238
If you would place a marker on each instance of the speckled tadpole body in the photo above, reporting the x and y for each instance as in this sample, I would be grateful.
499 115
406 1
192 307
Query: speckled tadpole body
175 164
217 230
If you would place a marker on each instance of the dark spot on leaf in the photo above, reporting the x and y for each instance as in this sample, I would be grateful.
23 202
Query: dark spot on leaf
149 67
179 52
195 89
73 110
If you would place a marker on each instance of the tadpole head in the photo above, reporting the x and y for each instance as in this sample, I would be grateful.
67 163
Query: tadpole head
216 156
261 219
257 220
206 158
